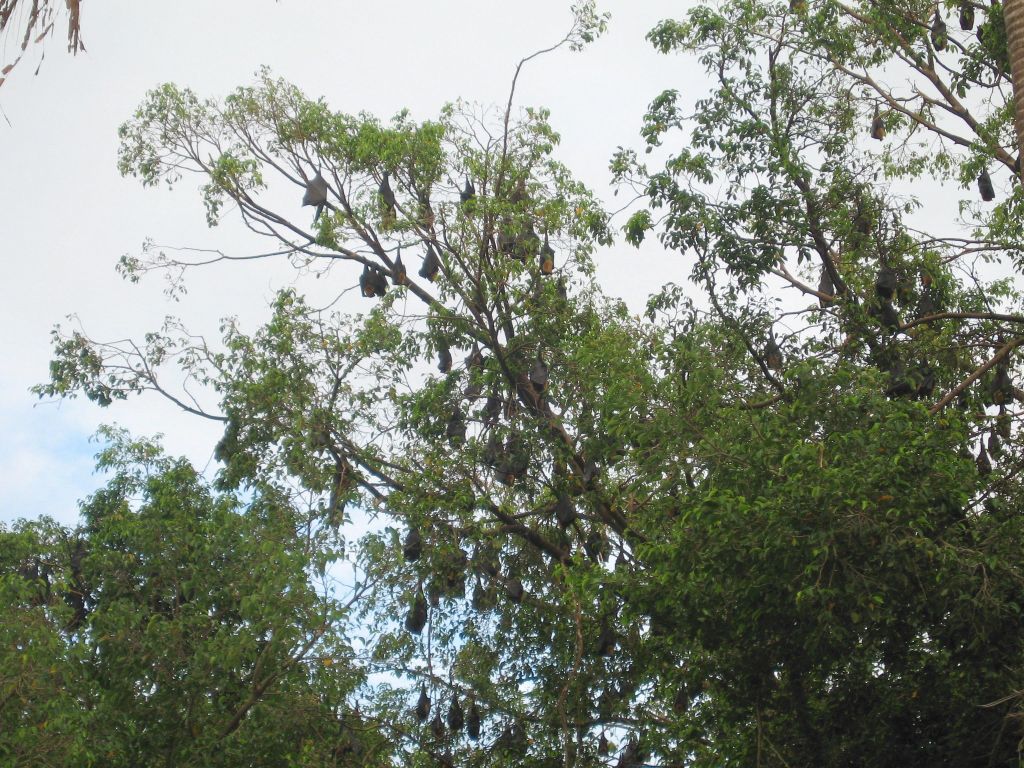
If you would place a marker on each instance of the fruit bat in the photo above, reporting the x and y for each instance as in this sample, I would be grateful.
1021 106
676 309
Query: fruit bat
372 282
602 745
316 194
437 727
632 756
434 593
514 588
455 429
431 264
482 600
887 315
387 196
468 192
423 705
938 33
825 287
877 127
511 740
983 462
925 380
380 281
988 193
513 462
399 274
366 283
606 641
519 193
1001 388
926 303
416 619
458 563
475 367
772 354
1003 426
526 244
547 257
886 282
412 548
539 375
473 721
492 451
505 242
966 16
563 292
444 359
995 446
565 512
491 411
796 6
899 385
606 702
596 547
455 718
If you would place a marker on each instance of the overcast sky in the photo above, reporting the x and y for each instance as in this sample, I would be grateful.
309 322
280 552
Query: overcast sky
68 216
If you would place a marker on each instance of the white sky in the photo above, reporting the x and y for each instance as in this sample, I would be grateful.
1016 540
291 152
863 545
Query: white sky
66 215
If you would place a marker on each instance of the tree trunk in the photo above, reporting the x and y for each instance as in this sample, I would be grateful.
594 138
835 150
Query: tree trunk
1013 16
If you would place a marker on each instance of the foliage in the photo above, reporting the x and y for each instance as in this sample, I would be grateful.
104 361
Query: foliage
683 534
147 635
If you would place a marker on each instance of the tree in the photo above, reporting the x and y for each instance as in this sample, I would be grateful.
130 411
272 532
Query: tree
760 533
148 635
34 23
1014 18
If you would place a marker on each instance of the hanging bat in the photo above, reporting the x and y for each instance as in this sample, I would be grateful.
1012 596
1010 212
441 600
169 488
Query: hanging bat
412 548
416 619
455 430
316 194
983 462
444 358
539 375
399 275
887 315
423 705
988 193
939 35
825 287
565 512
491 411
886 282
437 727
514 588
366 283
772 354
547 257
606 641
473 721
431 264
877 127
387 196
966 16
455 717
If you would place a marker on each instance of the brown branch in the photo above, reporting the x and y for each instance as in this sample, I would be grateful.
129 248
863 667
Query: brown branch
981 371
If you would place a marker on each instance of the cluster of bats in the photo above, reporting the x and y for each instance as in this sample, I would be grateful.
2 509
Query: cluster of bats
515 243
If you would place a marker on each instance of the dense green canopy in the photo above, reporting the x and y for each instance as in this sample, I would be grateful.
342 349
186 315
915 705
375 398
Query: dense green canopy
774 522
